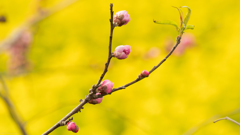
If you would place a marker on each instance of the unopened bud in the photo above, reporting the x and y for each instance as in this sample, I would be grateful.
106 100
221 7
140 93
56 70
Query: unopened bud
71 126
144 73
121 18
106 87
122 51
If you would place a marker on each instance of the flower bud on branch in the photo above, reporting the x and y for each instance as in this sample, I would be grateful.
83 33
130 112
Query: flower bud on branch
71 126
122 51
143 74
106 87
121 18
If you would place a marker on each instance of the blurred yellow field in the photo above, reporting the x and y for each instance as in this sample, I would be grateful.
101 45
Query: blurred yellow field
68 51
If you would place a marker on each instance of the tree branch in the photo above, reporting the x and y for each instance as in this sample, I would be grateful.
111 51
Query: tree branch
208 121
11 108
227 118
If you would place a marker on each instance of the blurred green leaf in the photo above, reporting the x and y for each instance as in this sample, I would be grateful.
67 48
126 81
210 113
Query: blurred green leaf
189 27
167 22
188 15
181 16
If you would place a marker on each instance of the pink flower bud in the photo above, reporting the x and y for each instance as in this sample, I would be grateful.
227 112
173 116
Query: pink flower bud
122 51
96 101
106 87
121 18
71 126
144 73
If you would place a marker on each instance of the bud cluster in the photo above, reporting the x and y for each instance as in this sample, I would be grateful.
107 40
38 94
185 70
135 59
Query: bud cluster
104 89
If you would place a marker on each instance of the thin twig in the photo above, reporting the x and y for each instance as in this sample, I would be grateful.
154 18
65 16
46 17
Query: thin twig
11 108
110 47
209 121
126 85
175 46
154 68
194 129
227 118
4 85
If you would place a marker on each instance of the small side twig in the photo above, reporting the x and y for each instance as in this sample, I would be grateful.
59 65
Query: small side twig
109 48
154 68
11 108
227 118
174 47
208 121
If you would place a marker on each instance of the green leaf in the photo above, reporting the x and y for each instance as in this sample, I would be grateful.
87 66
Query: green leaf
167 22
181 16
188 15
190 27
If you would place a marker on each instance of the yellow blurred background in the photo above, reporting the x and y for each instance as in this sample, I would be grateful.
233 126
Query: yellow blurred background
69 49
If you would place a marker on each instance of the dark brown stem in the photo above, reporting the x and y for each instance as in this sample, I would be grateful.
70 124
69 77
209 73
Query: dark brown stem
109 47
11 108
